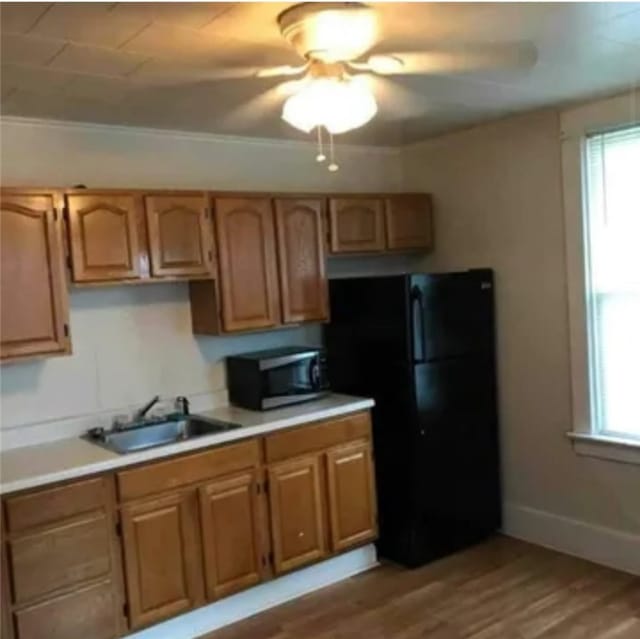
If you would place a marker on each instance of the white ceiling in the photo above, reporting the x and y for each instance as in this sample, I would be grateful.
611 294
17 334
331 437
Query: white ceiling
135 64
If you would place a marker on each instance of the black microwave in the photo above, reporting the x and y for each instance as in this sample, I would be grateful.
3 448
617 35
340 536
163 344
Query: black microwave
276 377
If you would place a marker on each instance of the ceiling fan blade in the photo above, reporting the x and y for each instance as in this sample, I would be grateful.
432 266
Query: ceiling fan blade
455 59
161 75
285 70
251 112
395 102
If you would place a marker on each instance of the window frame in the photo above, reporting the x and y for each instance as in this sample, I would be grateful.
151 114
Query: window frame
576 125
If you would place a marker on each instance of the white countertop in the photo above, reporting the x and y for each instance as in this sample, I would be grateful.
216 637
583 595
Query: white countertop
31 466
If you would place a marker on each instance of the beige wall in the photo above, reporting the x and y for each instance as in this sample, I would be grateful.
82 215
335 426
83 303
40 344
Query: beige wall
498 197
130 343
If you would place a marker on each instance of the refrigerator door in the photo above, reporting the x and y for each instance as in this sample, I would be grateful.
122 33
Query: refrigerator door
456 465
369 320
452 314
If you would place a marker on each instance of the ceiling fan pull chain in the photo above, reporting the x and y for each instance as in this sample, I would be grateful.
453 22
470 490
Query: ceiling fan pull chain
333 166
321 157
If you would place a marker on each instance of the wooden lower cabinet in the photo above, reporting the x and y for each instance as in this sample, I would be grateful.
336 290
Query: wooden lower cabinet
62 563
352 498
82 614
192 529
231 536
53 559
297 513
161 557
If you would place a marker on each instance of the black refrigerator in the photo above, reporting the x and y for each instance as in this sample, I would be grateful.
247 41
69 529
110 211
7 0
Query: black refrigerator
423 346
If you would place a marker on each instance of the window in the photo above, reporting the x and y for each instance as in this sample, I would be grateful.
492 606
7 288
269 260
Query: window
611 168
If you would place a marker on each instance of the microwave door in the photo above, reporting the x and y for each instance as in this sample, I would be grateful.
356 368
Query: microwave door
295 379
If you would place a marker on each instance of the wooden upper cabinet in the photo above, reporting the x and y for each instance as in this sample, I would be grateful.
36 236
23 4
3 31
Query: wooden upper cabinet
162 557
179 230
104 236
356 224
230 534
409 221
352 500
303 278
248 267
297 513
34 305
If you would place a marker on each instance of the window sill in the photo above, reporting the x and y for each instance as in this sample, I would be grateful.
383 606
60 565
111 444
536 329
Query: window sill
618 449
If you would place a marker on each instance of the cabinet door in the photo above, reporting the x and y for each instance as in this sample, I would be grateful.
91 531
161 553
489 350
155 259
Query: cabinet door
352 502
356 225
248 267
82 614
162 557
103 236
409 221
303 278
33 298
297 513
179 235
230 534
82 552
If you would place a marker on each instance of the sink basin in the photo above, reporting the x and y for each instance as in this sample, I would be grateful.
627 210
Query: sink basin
171 431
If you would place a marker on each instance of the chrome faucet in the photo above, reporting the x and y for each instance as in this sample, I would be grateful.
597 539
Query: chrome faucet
140 414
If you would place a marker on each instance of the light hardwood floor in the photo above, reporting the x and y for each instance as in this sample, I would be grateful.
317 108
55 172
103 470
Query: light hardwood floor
502 589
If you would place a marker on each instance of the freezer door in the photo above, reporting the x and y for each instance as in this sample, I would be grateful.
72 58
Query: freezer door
452 314
369 320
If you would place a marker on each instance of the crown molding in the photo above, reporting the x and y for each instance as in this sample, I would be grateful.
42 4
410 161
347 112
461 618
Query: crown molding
189 135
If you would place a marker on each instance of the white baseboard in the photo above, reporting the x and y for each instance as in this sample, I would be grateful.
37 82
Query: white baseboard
263 597
613 548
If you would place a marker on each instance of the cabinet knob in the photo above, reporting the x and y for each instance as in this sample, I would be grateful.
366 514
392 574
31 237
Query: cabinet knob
301 534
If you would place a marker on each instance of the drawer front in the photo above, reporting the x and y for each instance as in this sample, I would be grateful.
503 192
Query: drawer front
307 439
89 613
169 475
52 505
43 563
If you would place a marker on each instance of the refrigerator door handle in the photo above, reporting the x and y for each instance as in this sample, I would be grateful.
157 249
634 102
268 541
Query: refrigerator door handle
417 317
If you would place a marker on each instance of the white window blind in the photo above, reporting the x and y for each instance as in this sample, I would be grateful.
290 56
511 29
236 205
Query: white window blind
612 227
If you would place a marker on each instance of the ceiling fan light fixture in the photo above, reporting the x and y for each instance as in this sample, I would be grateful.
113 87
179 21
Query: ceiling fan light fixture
337 104
329 31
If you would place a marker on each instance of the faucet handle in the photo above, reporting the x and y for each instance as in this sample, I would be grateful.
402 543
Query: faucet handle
182 404
120 421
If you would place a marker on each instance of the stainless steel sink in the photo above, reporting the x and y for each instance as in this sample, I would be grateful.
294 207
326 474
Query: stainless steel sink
159 433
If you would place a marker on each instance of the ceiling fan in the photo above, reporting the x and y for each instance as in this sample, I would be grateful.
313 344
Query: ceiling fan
345 60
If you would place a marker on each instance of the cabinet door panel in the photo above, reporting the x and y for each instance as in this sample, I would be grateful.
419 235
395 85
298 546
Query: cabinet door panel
83 614
104 242
179 235
230 535
352 501
409 221
33 305
303 279
248 268
356 225
297 513
162 558
44 562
